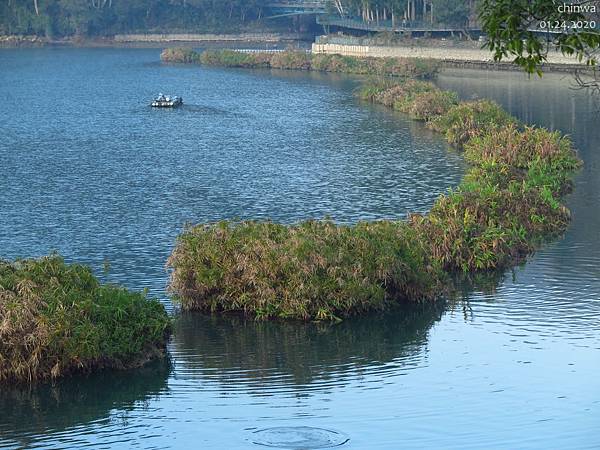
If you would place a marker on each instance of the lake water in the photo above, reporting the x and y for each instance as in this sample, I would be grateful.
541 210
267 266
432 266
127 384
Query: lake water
89 170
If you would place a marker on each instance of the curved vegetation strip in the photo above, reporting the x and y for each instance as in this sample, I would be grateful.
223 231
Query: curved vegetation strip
56 318
296 60
507 205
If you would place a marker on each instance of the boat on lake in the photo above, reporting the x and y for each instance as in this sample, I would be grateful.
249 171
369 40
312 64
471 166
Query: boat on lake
167 101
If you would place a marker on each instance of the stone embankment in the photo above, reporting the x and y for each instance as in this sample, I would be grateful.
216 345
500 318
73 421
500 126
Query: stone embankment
22 41
473 57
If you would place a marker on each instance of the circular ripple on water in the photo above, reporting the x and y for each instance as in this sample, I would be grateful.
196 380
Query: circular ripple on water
299 438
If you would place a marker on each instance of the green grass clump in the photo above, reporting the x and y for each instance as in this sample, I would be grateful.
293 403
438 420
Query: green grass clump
291 60
508 203
297 60
545 157
420 99
486 228
395 94
180 55
312 270
429 105
230 58
56 318
393 67
470 119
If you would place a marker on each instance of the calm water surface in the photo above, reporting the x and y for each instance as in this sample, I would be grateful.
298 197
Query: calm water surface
86 168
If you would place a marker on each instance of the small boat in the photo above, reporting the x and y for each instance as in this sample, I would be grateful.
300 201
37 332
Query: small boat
166 101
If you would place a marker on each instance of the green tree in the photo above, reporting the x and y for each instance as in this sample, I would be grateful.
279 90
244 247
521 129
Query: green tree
511 27
452 12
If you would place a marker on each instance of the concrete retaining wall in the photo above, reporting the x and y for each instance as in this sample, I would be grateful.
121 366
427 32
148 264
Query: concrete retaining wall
444 54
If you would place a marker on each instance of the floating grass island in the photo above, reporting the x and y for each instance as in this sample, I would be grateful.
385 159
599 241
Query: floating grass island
57 319
507 205
297 60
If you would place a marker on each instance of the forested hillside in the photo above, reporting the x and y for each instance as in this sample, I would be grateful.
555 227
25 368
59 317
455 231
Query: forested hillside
55 18
448 12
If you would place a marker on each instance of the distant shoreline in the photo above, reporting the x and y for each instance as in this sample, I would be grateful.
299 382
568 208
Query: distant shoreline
466 55
153 40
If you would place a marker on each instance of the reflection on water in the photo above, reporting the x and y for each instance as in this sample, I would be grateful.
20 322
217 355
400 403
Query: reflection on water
269 358
73 405
511 362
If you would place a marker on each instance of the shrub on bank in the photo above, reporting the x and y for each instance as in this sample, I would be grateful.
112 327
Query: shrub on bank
56 318
312 270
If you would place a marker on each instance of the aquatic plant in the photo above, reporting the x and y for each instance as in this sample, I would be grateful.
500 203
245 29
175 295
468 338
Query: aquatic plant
485 229
230 58
506 206
291 60
399 95
422 100
508 203
298 60
393 67
56 318
428 105
374 90
179 55
312 270
469 119
546 156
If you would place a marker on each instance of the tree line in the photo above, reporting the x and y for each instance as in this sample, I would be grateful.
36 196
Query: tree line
459 13
105 17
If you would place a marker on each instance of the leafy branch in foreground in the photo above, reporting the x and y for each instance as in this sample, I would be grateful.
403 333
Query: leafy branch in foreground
512 27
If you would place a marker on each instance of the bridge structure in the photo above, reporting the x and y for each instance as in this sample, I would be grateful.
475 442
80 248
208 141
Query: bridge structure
329 19
282 8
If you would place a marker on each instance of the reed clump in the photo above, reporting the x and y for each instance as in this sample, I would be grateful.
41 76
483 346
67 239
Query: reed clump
488 228
428 105
56 318
180 55
507 205
311 270
470 119
391 67
544 158
422 100
229 58
297 60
